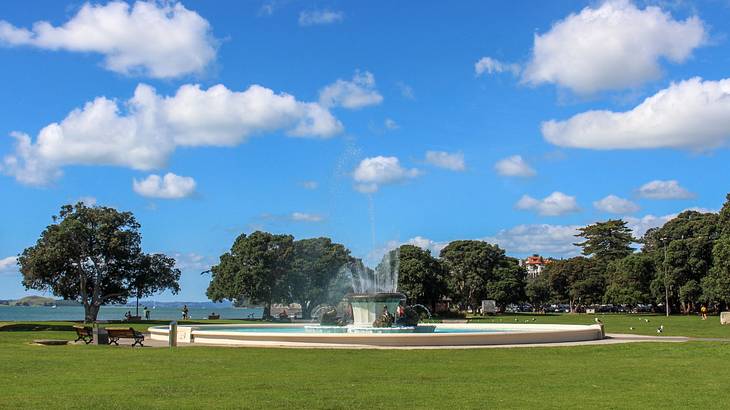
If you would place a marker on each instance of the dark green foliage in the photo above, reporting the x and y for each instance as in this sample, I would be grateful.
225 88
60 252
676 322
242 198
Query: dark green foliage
314 266
93 255
607 241
577 281
255 268
470 267
629 280
421 276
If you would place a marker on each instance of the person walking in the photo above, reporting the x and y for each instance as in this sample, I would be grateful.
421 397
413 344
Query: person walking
703 311
146 313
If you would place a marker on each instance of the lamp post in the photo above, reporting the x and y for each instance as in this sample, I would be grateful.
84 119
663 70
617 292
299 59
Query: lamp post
666 288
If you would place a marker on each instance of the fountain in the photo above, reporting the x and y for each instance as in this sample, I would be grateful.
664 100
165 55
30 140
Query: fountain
370 317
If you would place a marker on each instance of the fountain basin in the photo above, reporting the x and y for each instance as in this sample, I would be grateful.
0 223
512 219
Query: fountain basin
366 307
296 335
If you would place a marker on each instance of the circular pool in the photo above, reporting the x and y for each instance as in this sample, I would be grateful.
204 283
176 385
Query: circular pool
436 334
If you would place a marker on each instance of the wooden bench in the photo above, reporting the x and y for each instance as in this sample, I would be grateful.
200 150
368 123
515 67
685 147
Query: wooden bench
124 333
84 333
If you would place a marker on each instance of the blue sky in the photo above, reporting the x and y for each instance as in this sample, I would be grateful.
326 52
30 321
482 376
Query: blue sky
375 124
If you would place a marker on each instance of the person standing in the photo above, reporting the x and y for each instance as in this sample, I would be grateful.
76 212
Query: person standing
146 313
185 312
703 311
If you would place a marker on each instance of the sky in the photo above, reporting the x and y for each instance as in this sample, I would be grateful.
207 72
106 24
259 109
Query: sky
373 123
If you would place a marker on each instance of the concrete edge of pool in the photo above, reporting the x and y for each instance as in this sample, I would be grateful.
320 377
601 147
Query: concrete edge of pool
501 334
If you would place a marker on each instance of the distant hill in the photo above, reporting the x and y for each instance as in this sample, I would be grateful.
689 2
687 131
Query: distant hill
33 301
38 301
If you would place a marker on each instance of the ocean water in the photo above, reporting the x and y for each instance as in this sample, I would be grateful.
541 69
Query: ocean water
44 313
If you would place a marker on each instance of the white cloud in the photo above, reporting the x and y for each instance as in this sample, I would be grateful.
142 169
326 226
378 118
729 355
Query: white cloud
373 172
315 17
306 217
658 189
693 114
311 185
358 93
170 186
612 46
87 200
453 161
9 264
406 91
514 166
554 204
490 66
544 239
616 205
192 261
158 39
144 131
391 124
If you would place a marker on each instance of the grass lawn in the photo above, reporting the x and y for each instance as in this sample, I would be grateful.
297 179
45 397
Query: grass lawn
637 375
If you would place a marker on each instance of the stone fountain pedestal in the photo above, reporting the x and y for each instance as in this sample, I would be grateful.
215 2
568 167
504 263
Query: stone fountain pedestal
366 307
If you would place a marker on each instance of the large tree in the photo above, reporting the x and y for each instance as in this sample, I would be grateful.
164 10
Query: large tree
682 251
507 284
470 267
606 241
420 276
577 281
93 255
254 269
314 265
629 280
716 285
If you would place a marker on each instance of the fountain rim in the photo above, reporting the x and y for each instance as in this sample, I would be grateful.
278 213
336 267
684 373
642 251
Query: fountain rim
375 297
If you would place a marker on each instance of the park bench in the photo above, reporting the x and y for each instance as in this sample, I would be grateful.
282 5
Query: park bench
124 333
214 317
84 333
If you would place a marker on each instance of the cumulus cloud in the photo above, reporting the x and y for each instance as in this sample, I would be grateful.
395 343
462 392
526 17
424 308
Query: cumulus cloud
318 17
9 264
658 189
157 39
614 45
616 205
311 185
357 93
170 186
545 239
192 261
306 217
554 204
452 161
488 65
390 124
514 166
144 131
373 172
692 114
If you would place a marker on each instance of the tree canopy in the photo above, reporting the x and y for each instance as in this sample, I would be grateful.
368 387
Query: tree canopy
608 241
421 276
94 255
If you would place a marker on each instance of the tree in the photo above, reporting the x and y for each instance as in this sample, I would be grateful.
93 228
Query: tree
255 268
470 266
629 280
537 291
507 284
154 273
716 285
606 241
314 265
577 280
682 251
420 276
93 255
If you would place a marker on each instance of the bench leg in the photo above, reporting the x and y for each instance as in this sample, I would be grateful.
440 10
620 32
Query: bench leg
89 339
114 340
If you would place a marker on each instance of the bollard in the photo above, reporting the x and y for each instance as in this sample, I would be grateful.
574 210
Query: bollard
100 336
172 334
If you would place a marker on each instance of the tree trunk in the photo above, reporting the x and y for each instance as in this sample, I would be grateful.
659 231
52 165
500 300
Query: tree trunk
137 312
91 311
267 310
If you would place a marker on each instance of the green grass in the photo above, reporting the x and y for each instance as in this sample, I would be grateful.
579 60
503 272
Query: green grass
637 375
676 325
